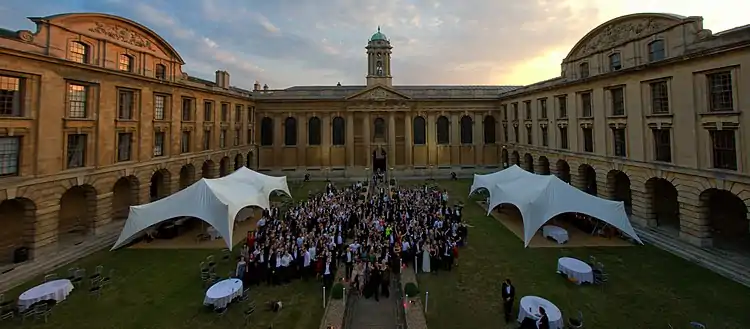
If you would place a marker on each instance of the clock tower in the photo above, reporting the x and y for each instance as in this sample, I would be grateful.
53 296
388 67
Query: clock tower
379 60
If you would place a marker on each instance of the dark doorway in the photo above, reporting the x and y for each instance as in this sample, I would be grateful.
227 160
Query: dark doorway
379 162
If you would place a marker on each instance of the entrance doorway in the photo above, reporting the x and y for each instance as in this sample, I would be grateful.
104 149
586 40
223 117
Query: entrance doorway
379 162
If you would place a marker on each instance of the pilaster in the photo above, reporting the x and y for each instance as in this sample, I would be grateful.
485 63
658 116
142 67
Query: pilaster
367 138
278 139
391 140
455 138
325 139
408 143
478 139
431 139
350 140
103 211
302 140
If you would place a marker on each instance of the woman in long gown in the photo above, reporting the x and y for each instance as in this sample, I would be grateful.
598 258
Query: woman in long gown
426 258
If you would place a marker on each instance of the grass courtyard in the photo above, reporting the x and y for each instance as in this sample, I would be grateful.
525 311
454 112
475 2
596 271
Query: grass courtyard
648 287
162 289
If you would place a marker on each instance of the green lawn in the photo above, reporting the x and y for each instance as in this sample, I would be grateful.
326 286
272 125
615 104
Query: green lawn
648 287
162 289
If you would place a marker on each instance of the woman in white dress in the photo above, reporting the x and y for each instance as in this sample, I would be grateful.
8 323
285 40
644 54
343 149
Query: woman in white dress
426 258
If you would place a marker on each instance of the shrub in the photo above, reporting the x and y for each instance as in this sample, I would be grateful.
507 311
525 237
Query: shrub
337 292
411 290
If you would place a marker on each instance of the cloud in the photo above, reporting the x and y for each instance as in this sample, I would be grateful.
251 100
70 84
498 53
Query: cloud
312 42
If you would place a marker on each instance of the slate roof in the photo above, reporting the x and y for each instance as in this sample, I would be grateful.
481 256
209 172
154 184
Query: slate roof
414 92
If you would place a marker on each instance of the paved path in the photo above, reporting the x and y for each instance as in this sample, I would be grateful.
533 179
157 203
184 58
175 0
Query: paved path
370 314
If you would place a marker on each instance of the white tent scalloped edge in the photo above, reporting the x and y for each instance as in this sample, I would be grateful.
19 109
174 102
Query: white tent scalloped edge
539 198
216 201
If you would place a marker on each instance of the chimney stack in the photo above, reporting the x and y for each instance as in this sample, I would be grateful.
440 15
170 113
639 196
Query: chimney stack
222 79
256 86
265 87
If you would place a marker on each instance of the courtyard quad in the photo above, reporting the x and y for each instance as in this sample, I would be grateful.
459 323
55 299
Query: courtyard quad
161 288
647 288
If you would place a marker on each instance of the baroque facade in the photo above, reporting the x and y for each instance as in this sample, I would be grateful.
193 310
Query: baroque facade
647 110
97 115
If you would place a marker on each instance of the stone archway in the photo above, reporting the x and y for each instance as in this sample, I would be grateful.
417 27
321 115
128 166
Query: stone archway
528 162
159 187
504 158
249 160
515 159
618 184
543 166
77 213
208 169
239 161
124 195
17 217
187 175
563 170
224 166
665 207
726 213
587 179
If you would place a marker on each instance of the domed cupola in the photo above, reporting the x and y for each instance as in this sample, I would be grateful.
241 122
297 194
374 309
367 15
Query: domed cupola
379 60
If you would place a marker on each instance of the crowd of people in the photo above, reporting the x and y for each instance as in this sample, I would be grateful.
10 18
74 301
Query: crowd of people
373 236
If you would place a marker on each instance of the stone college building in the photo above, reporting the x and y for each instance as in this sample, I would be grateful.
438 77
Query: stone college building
96 115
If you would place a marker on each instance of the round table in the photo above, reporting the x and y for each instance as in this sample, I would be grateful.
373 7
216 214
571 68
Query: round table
56 290
223 292
557 233
575 268
528 307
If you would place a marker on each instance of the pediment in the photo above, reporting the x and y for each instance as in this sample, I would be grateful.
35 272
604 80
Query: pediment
378 93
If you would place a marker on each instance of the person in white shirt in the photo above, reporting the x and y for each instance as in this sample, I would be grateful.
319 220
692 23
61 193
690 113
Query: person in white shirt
306 268
327 274
285 271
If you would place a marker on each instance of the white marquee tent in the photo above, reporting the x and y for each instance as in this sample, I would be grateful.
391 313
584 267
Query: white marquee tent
539 198
217 202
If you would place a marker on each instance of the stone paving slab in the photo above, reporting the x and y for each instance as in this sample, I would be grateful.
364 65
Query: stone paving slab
415 318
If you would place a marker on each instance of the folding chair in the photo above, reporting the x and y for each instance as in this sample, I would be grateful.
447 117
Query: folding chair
50 277
249 312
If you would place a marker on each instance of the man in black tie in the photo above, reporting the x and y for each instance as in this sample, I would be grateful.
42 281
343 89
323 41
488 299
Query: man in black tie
509 295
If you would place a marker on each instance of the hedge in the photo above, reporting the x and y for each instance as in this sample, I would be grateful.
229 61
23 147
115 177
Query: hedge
337 291
411 290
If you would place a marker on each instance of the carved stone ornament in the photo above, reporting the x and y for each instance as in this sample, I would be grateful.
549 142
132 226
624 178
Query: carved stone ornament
123 35
26 36
616 34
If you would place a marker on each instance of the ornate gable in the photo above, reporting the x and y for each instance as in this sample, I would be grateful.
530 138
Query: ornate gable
622 30
378 93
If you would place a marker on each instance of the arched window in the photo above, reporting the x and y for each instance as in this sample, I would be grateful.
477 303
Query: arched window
379 128
79 52
489 129
290 131
583 69
443 131
656 51
266 132
615 62
420 131
339 131
467 130
313 131
161 72
126 63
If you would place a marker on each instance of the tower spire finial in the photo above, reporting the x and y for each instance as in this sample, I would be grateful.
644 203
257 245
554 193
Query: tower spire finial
378 28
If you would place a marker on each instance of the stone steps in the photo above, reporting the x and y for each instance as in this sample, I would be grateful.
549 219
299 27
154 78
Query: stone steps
723 263
51 261
369 314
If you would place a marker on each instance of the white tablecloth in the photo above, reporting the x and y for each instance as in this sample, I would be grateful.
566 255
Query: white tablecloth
529 308
575 268
557 233
223 292
56 290
213 233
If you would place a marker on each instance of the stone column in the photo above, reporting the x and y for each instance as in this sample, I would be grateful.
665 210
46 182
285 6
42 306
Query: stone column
350 139
325 139
408 143
103 212
455 138
278 141
391 140
367 138
695 227
302 141
478 139
431 140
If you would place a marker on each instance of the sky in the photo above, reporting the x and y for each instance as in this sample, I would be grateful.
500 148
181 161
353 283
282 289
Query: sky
286 43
